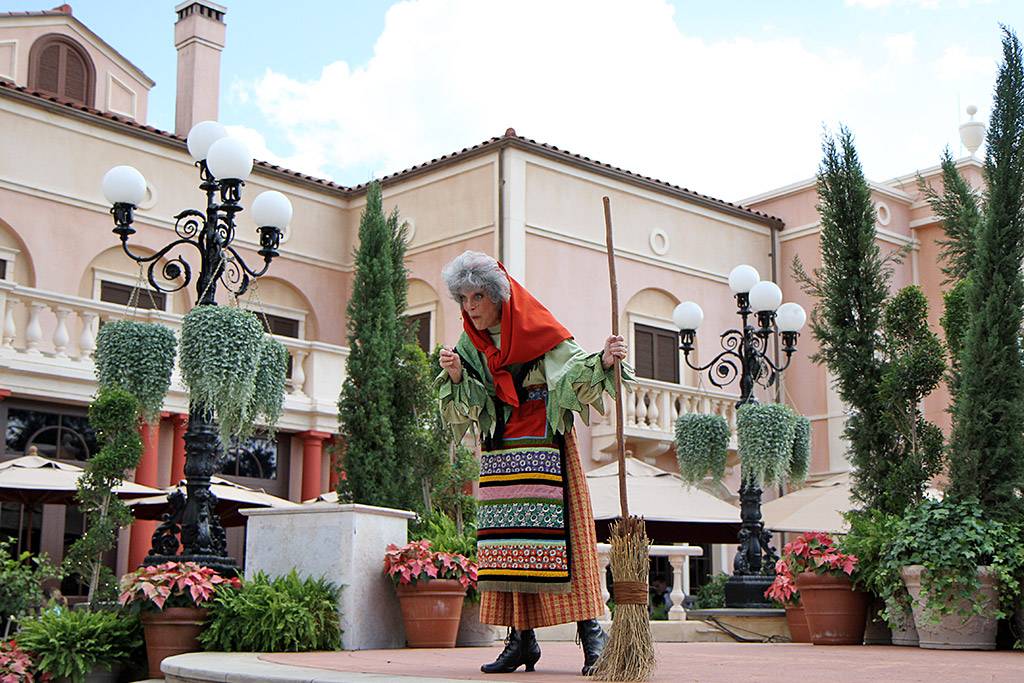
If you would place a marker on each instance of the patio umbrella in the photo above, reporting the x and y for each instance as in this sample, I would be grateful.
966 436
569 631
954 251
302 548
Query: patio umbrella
674 512
231 498
33 480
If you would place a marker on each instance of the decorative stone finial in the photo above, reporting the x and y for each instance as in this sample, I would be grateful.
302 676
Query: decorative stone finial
972 133
510 133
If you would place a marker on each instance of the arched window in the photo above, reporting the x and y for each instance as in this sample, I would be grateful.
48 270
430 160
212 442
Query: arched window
58 65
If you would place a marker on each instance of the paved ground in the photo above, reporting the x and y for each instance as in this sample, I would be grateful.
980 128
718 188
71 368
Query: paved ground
704 662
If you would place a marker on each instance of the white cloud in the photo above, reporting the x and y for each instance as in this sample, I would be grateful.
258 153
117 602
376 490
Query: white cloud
613 81
918 4
956 63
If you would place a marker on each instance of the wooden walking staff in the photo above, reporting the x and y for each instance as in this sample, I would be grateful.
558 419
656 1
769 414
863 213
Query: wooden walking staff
629 654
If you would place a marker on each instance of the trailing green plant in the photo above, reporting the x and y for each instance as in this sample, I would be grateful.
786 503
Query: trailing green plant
139 358
219 359
71 643
284 614
712 594
987 442
114 414
951 539
368 409
800 458
702 446
268 389
21 582
765 434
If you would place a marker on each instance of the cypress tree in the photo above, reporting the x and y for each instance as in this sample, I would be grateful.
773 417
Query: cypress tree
959 208
366 408
850 288
987 444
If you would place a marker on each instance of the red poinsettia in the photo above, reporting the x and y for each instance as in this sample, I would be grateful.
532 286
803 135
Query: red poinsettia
16 666
172 584
814 552
415 562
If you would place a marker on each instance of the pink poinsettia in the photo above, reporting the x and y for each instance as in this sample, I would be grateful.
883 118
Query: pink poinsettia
816 552
173 584
16 666
415 562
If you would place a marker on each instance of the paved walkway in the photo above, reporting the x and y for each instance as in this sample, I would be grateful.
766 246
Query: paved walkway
678 662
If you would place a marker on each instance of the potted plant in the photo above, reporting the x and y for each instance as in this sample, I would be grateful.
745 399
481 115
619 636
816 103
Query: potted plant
783 590
835 610
431 588
961 570
81 646
702 446
171 598
16 665
889 618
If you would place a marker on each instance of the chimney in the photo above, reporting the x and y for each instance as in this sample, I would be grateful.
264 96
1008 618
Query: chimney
199 38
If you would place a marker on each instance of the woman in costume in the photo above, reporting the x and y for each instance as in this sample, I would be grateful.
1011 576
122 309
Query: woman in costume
517 377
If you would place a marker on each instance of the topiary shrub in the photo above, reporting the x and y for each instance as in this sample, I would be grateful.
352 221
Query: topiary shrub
285 614
765 433
268 390
139 358
219 359
702 446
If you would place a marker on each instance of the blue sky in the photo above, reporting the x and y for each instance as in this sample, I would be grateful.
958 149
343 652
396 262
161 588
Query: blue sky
727 98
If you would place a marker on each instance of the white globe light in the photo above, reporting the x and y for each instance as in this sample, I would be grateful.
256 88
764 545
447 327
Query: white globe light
790 317
743 278
688 316
124 185
202 135
229 159
765 296
272 208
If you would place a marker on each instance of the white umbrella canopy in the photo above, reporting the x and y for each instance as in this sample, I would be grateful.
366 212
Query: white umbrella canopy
32 480
674 511
819 506
231 497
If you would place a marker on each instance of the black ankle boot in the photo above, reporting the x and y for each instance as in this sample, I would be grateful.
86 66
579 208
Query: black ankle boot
593 639
521 647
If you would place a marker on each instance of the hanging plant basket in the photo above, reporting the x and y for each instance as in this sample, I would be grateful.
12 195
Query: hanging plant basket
765 433
271 373
219 358
702 446
138 358
800 458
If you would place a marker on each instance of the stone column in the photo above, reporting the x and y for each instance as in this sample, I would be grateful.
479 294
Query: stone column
146 474
179 422
312 459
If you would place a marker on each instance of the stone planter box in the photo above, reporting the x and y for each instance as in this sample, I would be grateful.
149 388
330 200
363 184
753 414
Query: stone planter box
473 633
345 544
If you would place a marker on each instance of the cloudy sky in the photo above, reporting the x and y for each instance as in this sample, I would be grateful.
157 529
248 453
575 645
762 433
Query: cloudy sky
727 98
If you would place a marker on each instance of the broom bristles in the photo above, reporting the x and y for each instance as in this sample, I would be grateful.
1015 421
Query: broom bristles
629 653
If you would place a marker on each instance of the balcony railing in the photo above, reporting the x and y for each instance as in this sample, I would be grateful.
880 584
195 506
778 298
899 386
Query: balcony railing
678 556
53 335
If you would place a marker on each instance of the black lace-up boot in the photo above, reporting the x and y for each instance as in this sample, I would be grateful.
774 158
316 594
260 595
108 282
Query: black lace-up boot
521 647
592 639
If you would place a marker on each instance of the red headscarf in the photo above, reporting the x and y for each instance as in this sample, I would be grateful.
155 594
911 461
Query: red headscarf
528 331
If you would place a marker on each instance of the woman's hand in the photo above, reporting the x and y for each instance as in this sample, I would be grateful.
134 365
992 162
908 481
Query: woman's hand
614 350
451 362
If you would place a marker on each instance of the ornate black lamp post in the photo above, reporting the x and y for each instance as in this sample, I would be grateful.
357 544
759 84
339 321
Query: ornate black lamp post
224 163
746 355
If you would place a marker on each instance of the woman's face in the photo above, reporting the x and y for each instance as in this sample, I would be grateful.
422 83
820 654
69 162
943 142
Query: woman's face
480 310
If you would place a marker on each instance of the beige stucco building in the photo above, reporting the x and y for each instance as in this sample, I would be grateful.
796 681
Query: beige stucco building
71 107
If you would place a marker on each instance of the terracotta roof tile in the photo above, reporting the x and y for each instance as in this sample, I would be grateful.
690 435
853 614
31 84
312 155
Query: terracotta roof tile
510 137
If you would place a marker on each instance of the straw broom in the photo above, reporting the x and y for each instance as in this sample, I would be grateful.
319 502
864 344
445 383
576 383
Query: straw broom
629 654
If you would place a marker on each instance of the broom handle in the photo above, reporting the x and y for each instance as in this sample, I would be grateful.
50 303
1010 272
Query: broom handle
619 438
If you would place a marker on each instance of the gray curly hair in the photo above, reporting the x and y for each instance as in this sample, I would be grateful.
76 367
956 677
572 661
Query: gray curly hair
472 270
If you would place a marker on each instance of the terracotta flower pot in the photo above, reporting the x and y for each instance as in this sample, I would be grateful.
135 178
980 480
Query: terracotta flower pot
173 631
952 631
431 610
836 613
796 620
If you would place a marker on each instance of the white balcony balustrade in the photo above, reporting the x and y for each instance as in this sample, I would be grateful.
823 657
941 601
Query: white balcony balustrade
678 557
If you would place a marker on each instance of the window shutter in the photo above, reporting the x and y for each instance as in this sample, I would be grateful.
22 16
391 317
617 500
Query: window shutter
48 77
643 350
75 76
667 356
117 293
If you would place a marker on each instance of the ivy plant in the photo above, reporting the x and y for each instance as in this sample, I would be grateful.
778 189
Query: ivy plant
219 359
139 358
765 433
702 446
268 392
